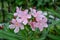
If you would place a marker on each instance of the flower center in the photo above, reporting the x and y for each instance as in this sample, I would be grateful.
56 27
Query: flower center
17 23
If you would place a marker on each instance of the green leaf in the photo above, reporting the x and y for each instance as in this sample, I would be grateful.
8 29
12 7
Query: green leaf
39 2
54 12
55 37
2 35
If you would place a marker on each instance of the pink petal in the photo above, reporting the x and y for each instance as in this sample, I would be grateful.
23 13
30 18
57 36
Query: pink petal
44 19
17 9
19 20
25 22
32 24
36 14
14 21
38 19
41 18
45 25
15 14
34 10
29 16
20 14
33 14
41 28
22 27
33 29
26 11
11 26
39 12
16 30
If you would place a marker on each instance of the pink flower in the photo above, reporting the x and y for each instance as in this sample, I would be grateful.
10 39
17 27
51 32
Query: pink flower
41 20
16 25
24 16
38 15
39 25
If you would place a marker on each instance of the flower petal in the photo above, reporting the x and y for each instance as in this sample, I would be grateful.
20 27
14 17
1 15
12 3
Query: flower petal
29 16
22 27
15 14
33 29
25 11
41 28
13 21
39 12
44 19
11 26
16 30
25 22
34 11
17 9
45 25
32 24
19 20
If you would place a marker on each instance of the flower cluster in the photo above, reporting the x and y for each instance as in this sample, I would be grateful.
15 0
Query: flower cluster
34 18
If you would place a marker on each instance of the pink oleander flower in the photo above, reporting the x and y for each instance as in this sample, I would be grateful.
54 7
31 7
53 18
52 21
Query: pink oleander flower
41 20
38 15
39 25
24 16
16 25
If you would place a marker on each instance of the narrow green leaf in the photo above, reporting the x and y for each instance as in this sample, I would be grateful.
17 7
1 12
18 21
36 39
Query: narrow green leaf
55 37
